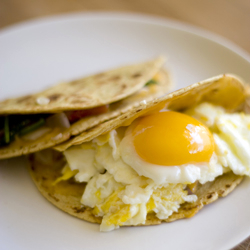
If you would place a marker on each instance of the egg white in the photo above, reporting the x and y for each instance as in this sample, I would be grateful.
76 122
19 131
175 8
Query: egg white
132 189
231 133
186 173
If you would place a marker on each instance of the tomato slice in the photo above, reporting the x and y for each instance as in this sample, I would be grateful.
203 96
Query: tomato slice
76 115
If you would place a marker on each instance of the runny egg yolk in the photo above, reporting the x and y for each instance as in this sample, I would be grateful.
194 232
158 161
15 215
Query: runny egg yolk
170 138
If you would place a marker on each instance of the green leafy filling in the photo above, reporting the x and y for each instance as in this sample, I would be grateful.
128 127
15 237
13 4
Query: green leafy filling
151 82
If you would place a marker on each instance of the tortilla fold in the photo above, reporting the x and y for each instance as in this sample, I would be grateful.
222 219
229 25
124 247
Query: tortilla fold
129 96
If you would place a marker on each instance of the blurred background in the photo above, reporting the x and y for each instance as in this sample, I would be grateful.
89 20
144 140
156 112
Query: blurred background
228 18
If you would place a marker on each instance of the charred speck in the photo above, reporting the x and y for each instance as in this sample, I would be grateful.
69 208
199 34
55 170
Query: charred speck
56 199
79 209
115 78
136 75
215 90
54 97
23 99
209 196
102 74
75 82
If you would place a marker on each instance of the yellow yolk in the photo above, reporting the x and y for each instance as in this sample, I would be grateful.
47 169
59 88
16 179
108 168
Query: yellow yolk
170 138
67 173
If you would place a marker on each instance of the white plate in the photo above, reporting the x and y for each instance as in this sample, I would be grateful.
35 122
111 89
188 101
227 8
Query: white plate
42 52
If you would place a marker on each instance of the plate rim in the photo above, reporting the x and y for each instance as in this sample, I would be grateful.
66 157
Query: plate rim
133 17
130 16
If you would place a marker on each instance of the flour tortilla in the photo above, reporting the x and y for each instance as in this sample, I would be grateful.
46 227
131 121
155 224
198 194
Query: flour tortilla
86 93
66 195
58 135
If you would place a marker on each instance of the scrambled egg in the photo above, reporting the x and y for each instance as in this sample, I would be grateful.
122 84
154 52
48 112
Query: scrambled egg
116 191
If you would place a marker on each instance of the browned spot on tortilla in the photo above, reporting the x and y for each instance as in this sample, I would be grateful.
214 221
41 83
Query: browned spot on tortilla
138 110
209 196
101 82
221 192
189 208
102 74
115 78
214 90
228 186
52 196
75 82
54 97
24 98
79 209
136 75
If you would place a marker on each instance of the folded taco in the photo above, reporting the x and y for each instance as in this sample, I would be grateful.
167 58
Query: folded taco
161 161
44 119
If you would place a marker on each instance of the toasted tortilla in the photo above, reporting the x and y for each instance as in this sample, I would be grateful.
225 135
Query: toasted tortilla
86 93
58 135
227 91
66 195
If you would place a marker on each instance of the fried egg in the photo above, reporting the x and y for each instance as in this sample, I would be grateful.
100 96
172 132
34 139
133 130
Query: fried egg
171 147
145 167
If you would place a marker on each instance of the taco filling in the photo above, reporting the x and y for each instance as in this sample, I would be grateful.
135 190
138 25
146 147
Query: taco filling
24 126
149 166
47 118
19 125
161 162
